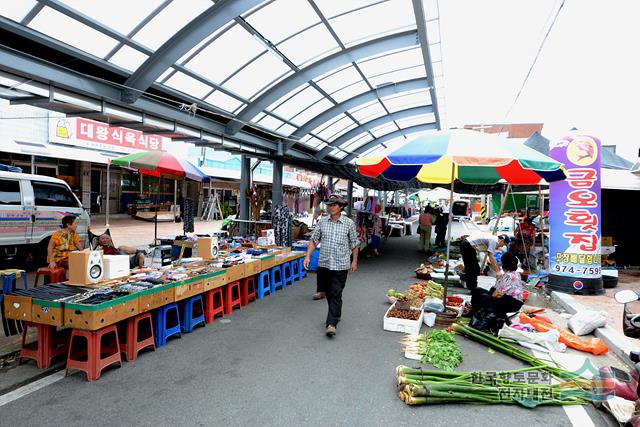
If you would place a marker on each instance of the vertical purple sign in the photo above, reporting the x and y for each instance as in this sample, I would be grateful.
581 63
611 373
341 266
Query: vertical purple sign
574 217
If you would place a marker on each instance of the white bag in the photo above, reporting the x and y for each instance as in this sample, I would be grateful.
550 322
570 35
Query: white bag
433 304
548 340
429 319
586 321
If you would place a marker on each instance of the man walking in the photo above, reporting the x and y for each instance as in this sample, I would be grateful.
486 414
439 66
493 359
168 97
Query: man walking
336 235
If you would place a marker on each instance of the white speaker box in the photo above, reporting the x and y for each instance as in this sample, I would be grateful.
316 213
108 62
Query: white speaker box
116 266
85 267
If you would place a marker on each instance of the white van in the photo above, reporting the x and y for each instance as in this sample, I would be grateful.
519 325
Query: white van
31 210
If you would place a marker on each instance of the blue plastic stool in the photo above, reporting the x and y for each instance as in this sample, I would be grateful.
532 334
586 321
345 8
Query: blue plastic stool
264 284
303 271
295 269
276 279
189 321
287 274
162 331
9 281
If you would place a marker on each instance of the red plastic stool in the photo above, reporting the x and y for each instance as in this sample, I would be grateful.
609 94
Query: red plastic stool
248 293
55 275
211 305
48 345
230 300
94 363
133 343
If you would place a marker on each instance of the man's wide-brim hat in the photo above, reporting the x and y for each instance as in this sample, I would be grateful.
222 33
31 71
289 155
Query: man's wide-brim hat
335 199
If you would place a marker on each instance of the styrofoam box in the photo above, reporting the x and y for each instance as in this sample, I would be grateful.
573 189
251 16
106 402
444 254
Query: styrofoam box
116 266
395 324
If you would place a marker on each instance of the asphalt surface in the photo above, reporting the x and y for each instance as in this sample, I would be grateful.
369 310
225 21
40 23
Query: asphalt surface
273 365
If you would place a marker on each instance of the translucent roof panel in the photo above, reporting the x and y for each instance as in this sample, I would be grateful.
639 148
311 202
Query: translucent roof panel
168 22
270 122
406 100
188 85
254 77
286 129
68 30
357 142
308 46
368 111
338 154
300 101
338 80
384 129
276 30
122 22
416 120
327 130
16 10
223 101
349 125
371 21
311 112
226 54
350 91
128 58
414 72
196 49
395 61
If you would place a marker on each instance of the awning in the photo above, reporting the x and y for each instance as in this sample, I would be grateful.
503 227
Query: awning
56 151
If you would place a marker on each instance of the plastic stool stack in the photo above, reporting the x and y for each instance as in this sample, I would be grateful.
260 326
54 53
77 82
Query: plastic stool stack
264 284
233 297
287 274
276 279
193 313
48 345
89 359
163 330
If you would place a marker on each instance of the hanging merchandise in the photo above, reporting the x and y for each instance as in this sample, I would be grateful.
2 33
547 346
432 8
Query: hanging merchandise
281 224
187 225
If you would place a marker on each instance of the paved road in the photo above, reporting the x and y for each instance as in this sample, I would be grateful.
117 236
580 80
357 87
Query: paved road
272 365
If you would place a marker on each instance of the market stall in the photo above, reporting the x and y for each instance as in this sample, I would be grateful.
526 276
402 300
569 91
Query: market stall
196 289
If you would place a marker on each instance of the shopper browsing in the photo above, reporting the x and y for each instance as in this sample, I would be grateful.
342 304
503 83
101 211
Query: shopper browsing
469 249
336 235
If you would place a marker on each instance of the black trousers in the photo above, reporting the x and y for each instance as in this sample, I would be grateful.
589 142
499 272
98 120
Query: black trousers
332 282
471 265
481 298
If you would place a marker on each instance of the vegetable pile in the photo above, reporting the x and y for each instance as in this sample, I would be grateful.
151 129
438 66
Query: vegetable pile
411 314
425 387
438 348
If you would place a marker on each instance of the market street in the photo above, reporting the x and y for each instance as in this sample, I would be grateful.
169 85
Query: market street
272 365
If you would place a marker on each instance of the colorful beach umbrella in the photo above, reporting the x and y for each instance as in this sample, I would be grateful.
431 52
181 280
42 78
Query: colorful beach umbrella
471 157
161 163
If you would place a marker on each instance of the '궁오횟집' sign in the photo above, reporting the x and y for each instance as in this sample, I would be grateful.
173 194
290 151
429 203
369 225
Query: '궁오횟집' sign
574 215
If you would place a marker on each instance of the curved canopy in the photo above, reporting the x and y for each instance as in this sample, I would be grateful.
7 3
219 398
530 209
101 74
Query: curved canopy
308 79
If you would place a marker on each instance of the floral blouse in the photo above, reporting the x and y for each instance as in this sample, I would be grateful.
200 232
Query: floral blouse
510 284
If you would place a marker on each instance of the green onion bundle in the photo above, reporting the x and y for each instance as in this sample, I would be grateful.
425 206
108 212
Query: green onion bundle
425 387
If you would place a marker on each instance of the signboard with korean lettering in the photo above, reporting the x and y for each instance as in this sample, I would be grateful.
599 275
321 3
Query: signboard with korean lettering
81 132
574 217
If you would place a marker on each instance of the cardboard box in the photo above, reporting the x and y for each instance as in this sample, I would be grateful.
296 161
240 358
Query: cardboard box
216 279
236 272
47 312
156 297
17 307
188 288
92 317
208 248
253 267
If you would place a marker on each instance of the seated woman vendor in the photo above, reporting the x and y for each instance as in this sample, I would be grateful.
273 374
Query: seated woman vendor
507 295
136 258
62 242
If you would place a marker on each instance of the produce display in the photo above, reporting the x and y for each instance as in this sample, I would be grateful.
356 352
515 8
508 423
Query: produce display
417 292
410 314
438 348
424 387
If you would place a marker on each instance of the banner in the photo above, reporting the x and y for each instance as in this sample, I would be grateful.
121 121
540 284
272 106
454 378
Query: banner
80 132
574 217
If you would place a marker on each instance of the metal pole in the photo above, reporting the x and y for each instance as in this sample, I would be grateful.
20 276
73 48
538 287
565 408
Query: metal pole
245 176
446 267
175 196
541 210
349 198
108 195
276 186
33 164
495 227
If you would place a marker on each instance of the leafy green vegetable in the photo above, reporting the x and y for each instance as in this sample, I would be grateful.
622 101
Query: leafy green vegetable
441 350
